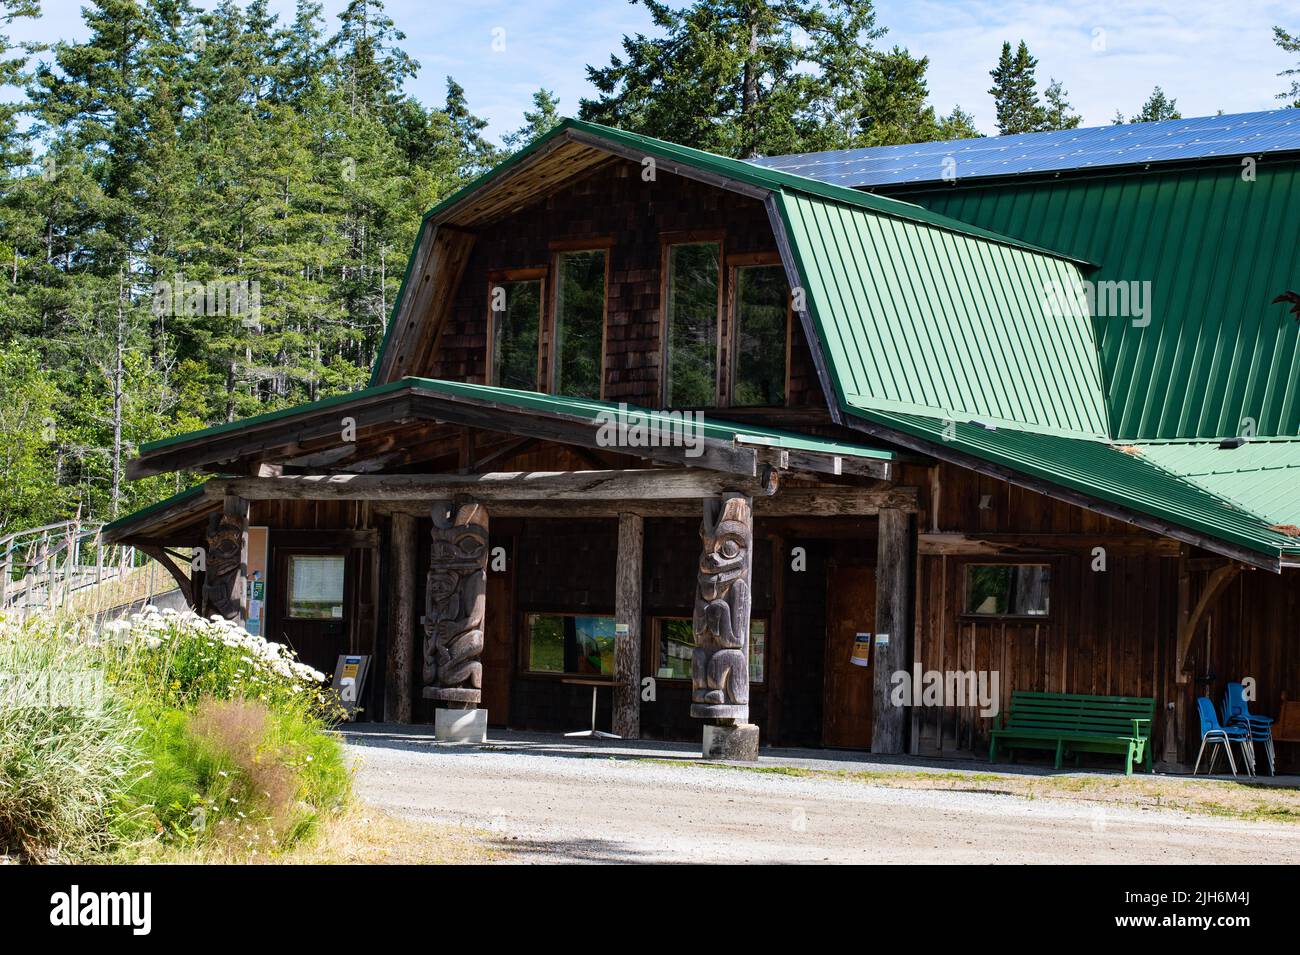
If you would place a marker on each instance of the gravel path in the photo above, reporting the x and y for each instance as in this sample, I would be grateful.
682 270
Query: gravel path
548 807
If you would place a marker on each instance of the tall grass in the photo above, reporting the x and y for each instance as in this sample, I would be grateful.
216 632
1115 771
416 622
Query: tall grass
205 735
68 744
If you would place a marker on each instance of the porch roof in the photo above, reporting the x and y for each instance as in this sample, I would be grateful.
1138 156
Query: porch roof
281 436
1235 510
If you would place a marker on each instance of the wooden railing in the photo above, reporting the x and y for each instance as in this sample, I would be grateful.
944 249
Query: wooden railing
67 566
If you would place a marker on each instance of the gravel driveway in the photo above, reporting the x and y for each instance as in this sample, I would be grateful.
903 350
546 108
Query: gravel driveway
547 806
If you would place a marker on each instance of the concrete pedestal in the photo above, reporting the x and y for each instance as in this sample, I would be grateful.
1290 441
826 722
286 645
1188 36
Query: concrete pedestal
460 726
736 742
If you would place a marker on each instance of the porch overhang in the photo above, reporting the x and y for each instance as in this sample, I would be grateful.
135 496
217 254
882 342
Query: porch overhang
400 425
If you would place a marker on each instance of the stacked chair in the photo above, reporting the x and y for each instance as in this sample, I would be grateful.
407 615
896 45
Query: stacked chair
1236 713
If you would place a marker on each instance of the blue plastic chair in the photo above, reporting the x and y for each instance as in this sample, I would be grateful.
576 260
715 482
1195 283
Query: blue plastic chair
1236 712
1214 733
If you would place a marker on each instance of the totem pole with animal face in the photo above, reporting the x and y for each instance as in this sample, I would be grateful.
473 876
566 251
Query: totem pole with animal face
455 600
223 582
720 664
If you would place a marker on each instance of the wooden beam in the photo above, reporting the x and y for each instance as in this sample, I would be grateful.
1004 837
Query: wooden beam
162 557
641 484
1214 586
801 503
627 626
977 544
895 546
400 682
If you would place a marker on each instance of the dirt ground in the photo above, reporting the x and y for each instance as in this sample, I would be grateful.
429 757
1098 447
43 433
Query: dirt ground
565 803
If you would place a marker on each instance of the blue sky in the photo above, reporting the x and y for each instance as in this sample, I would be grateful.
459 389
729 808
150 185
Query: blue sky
1209 54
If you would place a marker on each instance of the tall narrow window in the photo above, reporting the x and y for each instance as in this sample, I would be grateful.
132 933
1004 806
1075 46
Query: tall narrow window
762 316
516 309
692 325
579 323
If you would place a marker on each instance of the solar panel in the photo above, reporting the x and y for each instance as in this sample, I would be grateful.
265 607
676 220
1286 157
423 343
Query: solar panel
1242 134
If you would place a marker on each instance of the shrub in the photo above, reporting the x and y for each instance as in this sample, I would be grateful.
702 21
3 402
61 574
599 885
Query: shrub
205 736
68 745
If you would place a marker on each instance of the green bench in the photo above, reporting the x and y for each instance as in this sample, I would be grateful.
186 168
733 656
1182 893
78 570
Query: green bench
1072 723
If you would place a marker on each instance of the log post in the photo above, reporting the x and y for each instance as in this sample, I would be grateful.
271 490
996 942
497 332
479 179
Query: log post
455 606
720 663
895 552
399 682
627 626
227 545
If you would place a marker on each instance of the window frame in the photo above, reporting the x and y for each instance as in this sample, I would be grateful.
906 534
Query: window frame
651 667
290 556
667 241
549 367
967 615
525 644
497 277
750 260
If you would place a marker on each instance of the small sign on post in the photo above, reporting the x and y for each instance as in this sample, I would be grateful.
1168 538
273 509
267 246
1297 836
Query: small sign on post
350 681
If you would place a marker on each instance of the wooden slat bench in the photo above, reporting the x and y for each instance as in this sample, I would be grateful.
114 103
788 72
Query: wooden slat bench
1077 723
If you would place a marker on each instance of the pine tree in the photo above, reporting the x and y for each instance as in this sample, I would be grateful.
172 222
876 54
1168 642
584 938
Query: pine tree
1056 113
734 77
544 115
1015 91
1157 107
1289 42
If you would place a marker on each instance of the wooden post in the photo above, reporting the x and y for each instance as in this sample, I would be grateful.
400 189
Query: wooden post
400 679
627 626
895 552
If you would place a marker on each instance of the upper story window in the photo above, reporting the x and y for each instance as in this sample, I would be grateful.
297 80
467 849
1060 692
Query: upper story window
515 318
579 322
761 325
693 297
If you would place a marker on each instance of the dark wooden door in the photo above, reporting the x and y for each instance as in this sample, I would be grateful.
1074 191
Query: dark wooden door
498 647
850 610
318 642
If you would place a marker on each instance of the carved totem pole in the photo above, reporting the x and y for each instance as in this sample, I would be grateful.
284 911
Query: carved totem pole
455 600
720 666
223 581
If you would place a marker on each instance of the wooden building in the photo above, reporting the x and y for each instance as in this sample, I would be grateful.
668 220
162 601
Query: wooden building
742 442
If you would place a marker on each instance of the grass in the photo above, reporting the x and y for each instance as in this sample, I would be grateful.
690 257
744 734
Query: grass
361 835
1250 801
197 737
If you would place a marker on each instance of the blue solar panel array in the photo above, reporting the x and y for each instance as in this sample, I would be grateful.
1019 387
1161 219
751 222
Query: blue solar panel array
1244 134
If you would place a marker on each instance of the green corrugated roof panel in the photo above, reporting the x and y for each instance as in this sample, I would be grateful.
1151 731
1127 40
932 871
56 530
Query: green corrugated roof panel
1261 476
920 319
1217 250
585 408
1102 471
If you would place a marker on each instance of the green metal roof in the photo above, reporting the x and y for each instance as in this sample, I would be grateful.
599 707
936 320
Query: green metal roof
1216 248
585 408
156 508
1262 477
1102 471
915 318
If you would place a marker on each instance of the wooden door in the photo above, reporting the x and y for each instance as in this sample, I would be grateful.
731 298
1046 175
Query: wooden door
850 610
498 647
